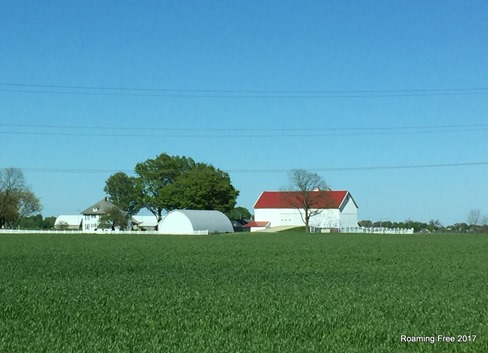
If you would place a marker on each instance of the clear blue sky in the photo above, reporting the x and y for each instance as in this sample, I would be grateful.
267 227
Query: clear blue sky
344 88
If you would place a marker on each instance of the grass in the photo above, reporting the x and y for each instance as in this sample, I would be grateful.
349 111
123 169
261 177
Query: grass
288 292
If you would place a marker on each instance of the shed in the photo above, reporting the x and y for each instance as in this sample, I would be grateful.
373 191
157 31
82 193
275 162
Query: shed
195 222
144 222
69 222
255 226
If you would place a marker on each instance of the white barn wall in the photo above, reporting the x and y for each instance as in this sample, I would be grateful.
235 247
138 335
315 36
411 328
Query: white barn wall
328 218
279 216
349 215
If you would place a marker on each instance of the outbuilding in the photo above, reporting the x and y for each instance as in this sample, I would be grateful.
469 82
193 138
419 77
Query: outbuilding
336 209
195 222
69 222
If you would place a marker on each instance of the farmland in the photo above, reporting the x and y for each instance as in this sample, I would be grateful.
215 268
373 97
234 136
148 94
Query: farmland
288 292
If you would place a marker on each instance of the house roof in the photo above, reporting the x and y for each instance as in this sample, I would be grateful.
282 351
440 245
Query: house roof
289 199
256 224
99 208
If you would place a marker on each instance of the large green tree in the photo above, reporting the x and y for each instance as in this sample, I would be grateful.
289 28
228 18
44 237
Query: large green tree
16 199
157 179
205 187
173 182
27 204
124 192
8 209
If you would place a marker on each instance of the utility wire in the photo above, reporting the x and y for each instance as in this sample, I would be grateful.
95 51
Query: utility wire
240 130
433 90
214 93
241 135
261 171
172 132
318 96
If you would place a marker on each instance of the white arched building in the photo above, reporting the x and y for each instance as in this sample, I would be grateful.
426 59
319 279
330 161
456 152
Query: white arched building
195 222
282 208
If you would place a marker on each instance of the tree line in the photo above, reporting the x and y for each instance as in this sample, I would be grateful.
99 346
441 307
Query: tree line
432 226
37 222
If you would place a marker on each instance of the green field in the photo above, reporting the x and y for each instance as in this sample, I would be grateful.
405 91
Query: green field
288 292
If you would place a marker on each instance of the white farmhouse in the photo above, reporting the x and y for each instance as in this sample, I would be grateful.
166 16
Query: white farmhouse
279 208
89 220
92 215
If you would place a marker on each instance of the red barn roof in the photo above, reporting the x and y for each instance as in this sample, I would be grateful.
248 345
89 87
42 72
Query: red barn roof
288 199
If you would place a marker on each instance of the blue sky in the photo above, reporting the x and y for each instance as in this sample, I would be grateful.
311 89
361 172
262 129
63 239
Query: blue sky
348 89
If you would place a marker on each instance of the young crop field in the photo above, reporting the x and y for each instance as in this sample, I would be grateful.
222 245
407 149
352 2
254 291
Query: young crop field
287 292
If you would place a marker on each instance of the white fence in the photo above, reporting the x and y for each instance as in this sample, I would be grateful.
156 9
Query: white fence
109 232
376 230
21 231
365 230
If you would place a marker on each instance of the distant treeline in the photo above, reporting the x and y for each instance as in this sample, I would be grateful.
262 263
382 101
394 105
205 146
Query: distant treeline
430 227
37 222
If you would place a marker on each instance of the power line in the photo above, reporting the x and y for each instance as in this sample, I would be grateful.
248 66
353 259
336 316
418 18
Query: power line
226 129
255 96
246 91
261 171
240 135
235 93
172 132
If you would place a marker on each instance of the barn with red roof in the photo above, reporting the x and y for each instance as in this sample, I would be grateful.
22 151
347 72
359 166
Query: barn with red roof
336 209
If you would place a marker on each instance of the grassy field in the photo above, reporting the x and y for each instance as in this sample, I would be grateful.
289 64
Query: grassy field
287 292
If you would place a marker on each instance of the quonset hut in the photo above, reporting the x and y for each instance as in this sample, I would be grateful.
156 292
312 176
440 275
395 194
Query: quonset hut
195 222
